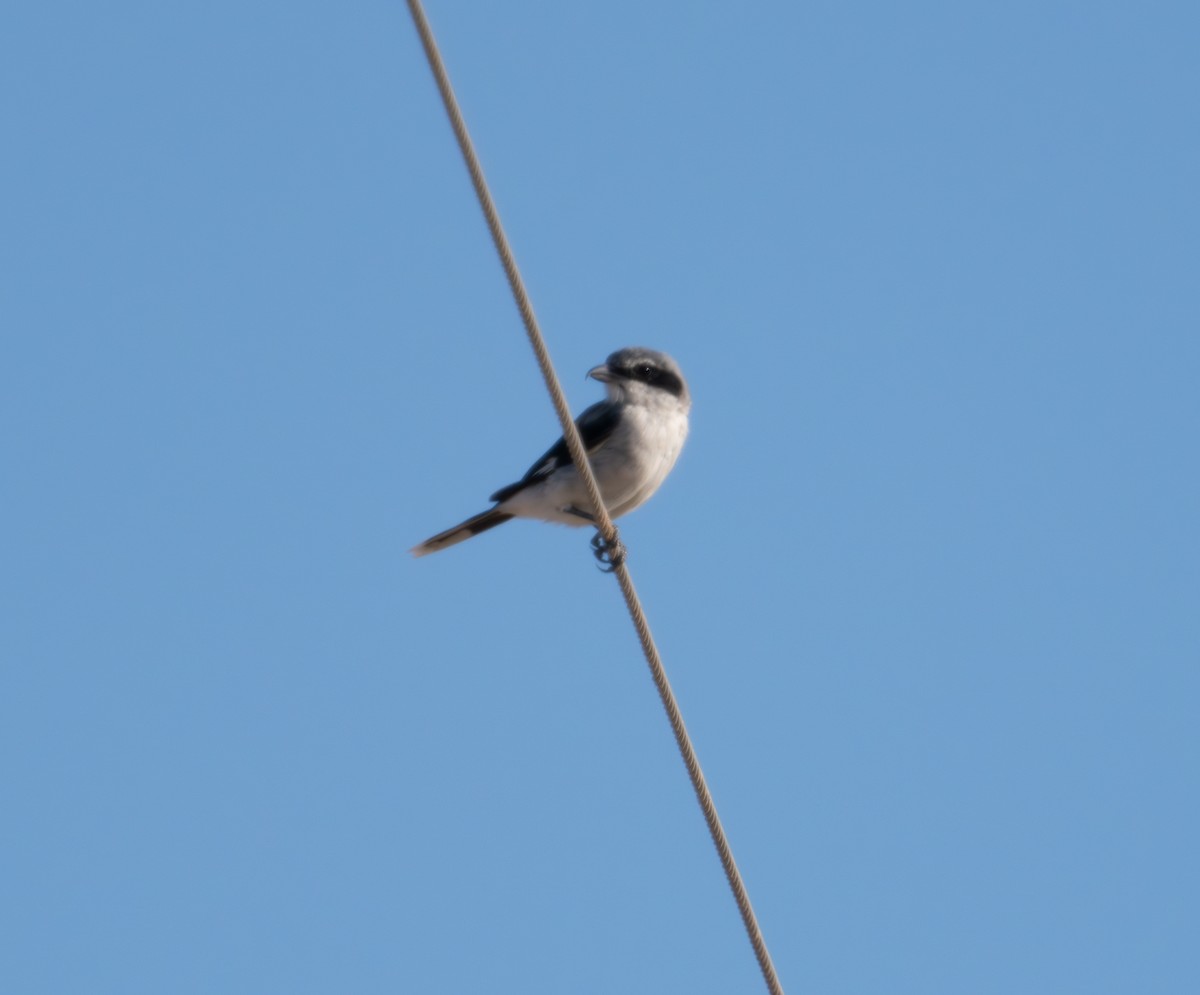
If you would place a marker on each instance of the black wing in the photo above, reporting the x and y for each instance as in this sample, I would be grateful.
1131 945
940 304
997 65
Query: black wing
596 426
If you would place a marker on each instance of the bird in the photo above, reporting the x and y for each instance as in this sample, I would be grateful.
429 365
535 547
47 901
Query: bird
632 438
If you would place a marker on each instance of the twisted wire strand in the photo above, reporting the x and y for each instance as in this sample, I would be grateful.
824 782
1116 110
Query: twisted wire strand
699 785
604 521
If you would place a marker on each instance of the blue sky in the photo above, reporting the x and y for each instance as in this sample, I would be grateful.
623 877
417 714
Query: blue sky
925 578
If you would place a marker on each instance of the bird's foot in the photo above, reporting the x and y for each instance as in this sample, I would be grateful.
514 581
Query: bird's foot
609 555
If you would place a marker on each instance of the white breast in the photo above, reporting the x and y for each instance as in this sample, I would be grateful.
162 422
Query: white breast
640 462
629 467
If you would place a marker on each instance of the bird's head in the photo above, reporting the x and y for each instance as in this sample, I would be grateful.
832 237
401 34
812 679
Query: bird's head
639 375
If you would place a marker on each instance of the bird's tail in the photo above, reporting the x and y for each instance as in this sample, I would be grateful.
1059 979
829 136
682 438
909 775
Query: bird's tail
464 530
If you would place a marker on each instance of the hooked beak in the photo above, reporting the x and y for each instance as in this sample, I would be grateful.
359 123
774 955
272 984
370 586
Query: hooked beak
602 373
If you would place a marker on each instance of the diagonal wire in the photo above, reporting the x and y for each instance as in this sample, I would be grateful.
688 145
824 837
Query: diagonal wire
604 521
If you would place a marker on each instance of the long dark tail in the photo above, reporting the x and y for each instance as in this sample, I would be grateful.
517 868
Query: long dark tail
471 527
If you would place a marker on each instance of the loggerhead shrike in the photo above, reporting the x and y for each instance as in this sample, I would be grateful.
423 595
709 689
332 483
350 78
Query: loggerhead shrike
632 440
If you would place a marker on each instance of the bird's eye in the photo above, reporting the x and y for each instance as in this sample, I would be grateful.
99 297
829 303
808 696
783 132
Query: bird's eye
648 373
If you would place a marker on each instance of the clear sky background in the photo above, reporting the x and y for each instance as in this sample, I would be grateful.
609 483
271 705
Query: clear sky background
926 578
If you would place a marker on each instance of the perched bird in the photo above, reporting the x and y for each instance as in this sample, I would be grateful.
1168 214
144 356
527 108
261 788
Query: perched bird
632 438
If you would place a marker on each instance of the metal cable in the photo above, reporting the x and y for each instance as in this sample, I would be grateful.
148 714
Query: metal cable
574 443
604 521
